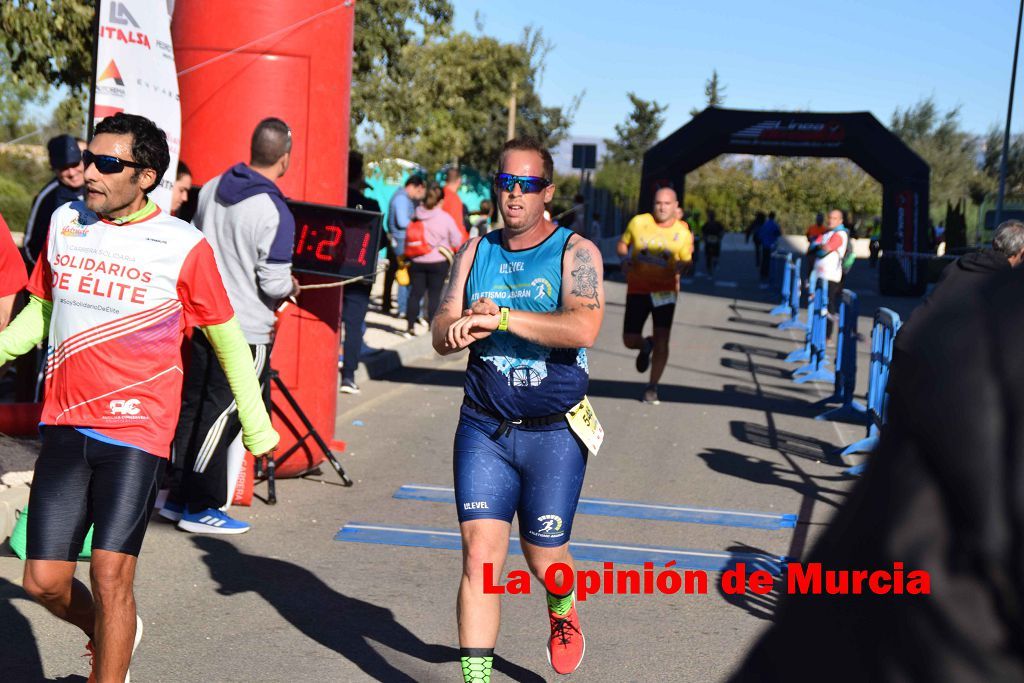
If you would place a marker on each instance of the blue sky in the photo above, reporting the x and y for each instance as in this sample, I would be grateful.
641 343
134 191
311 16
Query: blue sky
855 55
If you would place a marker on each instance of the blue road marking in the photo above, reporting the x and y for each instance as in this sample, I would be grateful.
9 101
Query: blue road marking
592 551
623 508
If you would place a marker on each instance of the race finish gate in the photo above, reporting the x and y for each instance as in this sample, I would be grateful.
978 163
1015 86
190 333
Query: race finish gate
857 136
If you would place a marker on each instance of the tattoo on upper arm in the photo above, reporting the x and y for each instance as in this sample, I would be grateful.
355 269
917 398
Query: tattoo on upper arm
584 279
450 294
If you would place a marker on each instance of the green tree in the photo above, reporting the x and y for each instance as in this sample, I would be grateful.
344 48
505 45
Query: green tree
795 188
620 178
15 99
69 115
992 161
638 133
714 93
619 172
49 42
948 150
451 102
383 31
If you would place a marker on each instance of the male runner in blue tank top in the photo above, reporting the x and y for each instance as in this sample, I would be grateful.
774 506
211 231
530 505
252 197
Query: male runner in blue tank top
526 300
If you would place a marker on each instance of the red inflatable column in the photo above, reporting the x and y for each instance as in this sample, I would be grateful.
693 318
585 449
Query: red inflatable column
241 61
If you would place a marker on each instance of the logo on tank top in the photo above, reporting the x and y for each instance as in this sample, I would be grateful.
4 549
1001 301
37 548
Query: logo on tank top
523 364
513 267
542 288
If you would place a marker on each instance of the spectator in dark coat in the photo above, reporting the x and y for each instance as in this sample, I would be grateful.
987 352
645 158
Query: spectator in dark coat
959 283
942 493
68 185
355 295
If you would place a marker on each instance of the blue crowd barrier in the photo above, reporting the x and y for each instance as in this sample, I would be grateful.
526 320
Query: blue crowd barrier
784 281
883 333
846 365
791 300
815 350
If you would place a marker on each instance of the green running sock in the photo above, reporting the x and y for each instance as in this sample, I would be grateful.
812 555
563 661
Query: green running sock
560 604
476 664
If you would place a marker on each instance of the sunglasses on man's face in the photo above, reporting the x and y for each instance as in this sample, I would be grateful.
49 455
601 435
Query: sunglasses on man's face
527 183
107 164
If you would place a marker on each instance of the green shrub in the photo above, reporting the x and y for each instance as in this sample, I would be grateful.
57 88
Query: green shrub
26 166
15 202
22 174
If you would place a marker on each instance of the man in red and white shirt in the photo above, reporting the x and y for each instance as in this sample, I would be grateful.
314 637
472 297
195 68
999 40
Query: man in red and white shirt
12 273
113 291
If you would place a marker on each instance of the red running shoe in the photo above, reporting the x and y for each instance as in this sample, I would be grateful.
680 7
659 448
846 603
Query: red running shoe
566 644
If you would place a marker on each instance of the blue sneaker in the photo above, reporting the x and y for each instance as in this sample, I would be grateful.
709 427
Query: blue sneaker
211 521
172 510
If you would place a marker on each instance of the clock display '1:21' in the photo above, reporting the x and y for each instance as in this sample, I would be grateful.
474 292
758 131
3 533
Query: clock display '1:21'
322 246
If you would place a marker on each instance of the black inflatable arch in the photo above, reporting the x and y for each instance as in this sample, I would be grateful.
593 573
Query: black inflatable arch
858 136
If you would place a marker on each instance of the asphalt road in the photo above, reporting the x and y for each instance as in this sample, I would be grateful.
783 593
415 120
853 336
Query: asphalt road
287 602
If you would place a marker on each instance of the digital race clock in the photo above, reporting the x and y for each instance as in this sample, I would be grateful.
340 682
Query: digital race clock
335 241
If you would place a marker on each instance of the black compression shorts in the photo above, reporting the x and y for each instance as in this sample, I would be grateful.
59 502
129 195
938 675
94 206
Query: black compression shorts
80 480
638 307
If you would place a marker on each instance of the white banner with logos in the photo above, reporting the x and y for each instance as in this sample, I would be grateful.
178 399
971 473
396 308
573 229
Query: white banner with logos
135 73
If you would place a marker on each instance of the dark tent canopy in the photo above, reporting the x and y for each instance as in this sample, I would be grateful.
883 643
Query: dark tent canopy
857 136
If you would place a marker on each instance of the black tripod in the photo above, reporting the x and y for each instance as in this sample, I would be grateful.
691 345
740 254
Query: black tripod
268 468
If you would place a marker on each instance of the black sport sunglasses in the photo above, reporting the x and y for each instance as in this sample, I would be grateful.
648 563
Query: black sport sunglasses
107 164
528 183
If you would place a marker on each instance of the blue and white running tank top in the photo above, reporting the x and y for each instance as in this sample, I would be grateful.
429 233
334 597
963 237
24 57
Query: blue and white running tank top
508 375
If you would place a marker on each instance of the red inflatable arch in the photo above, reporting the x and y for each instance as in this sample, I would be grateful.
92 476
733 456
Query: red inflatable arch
240 61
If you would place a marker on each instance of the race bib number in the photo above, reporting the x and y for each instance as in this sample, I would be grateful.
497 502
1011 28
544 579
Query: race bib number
584 423
663 298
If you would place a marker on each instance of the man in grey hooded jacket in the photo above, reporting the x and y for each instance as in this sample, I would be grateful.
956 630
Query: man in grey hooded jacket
244 217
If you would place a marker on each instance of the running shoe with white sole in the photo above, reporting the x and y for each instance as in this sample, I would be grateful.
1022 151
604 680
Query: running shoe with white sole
211 521
92 653
135 646
651 395
172 510
566 644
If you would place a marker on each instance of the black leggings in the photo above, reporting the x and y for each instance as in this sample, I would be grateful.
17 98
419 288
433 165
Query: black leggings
429 278
80 480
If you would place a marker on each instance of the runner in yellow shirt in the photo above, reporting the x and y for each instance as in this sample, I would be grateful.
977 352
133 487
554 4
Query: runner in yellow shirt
655 250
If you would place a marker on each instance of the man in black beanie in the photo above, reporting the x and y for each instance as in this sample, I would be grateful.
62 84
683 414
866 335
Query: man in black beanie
68 185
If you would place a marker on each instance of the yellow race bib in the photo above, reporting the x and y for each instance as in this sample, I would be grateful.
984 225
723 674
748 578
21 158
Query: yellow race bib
584 423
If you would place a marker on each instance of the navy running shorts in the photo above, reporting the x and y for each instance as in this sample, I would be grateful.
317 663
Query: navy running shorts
536 472
80 480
